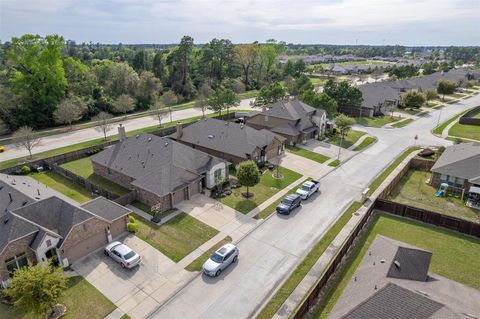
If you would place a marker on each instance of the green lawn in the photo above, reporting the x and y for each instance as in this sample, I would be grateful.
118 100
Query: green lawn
80 297
403 122
439 129
351 138
83 167
266 188
334 163
178 237
197 264
414 191
307 263
317 81
319 158
366 142
465 131
380 178
271 208
377 121
455 256
63 185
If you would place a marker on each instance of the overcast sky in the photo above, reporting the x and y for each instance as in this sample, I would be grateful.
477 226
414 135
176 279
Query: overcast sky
407 22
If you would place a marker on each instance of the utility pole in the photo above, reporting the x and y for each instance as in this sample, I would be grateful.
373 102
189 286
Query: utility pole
340 148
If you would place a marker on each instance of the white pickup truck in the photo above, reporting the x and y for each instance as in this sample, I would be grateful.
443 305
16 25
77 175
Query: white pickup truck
308 188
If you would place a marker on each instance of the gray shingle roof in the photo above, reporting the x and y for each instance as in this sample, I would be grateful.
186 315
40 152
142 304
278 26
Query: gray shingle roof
395 302
13 227
106 209
412 264
461 160
18 198
54 214
226 137
289 109
149 159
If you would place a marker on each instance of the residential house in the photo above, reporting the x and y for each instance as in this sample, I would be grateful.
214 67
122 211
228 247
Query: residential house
294 120
33 231
459 167
234 142
162 171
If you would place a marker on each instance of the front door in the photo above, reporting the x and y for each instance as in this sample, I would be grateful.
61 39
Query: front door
52 254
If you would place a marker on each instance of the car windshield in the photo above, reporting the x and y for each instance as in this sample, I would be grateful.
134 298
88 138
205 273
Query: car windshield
305 188
129 255
287 202
216 258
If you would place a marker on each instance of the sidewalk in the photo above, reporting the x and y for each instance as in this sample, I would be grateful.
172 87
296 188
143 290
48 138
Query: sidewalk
313 275
360 140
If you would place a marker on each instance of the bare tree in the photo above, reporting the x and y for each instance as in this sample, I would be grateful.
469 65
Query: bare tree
159 110
27 138
169 98
123 104
104 123
201 103
69 110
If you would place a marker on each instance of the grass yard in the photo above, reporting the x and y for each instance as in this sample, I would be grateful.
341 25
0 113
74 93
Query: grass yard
377 121
178 237
414 191
465 131
439 129
83 167
351 138
271 208
380 178
81 298
334 163
366 142
197 264
317 81
266 188
403 123
319 158
63 185
455 256
307 263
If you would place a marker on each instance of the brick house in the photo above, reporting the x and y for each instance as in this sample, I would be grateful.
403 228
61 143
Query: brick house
34 231
294 120
162 171
233 142
459 167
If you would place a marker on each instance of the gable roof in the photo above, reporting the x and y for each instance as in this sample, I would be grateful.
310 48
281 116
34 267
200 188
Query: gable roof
289 109
461 160
11 198
411 264
226 137
106 209
150 160
395 302
13 227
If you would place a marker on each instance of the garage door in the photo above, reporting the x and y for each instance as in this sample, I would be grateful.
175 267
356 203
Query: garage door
85 247
195 188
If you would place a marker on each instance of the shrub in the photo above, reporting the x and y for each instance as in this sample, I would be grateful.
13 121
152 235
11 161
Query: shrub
131 219
25 170
132 227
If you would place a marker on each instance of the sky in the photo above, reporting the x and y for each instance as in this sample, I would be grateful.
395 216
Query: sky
404 22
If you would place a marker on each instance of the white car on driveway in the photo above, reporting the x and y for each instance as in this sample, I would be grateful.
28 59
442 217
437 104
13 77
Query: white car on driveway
221 259
307 189
122 254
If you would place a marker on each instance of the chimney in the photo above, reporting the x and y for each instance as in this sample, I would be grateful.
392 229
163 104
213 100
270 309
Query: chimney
121 132
179 130
264 108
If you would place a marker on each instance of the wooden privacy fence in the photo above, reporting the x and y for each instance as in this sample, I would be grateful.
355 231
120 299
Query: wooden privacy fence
468 118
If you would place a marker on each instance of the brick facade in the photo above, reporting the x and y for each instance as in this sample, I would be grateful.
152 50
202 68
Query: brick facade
15 248
436 182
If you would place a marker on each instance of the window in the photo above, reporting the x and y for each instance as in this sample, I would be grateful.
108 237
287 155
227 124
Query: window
217 174
48 242
15 263
460 182
451 180
443 178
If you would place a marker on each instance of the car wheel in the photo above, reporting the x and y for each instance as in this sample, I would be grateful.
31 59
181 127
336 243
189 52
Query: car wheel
105 252
218 273
235 259
123 265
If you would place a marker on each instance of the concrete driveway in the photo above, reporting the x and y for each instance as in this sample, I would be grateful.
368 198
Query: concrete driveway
137 291
304 165
327 149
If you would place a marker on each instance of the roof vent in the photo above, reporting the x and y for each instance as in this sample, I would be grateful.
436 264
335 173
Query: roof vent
226 123
149 139
11 198
5 221
137 136
166 143
211 136
241 126
205 119
24 203
397 264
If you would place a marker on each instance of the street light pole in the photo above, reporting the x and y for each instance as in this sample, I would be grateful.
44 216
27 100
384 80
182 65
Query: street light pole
439 115
340 148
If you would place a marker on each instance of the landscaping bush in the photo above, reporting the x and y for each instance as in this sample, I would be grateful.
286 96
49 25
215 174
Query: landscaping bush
131 219
25 170
132 227
93 152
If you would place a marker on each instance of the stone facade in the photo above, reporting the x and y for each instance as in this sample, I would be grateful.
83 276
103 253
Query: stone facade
16 248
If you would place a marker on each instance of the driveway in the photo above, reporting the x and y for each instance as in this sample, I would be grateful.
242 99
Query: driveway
304 165
138 291
327 149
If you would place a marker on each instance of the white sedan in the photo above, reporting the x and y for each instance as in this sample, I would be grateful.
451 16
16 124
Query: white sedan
123 254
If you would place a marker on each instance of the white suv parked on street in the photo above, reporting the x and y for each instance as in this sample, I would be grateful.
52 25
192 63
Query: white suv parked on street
221 259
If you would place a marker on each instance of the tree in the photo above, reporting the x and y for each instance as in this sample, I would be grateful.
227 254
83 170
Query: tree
246 55
320 101
169 98
248 175
222 98
431 95
445 87
344 125
159 110
270 94
345 94
27 138
298 86
103 123
123 104
69 110
36 289
37 77
148 87
413 99
158 66
140 61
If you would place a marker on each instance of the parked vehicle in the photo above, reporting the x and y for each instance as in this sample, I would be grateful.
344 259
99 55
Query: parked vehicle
220 259
307 189
122 254
288 204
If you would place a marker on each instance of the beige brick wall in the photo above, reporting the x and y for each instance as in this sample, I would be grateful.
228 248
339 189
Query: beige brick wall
16 248
113 176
